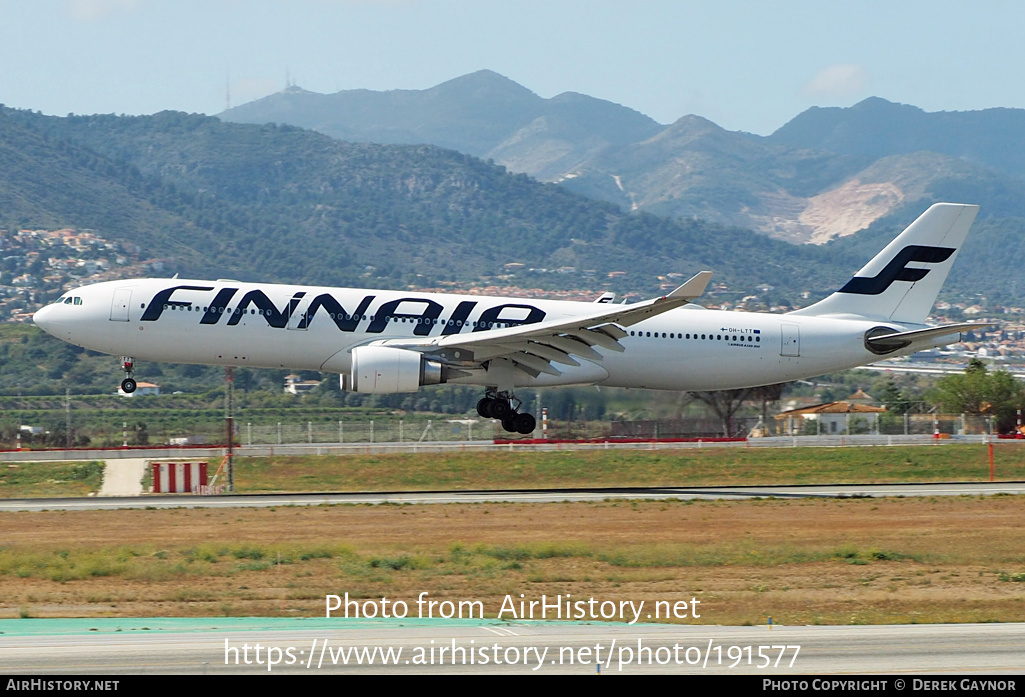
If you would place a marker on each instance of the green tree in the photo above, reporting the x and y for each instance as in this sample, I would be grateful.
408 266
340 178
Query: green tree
982 393
893 398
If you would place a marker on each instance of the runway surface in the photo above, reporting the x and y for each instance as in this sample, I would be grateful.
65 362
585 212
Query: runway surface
515 496
313 646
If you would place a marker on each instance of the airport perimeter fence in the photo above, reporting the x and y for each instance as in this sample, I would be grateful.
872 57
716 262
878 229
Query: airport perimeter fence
467 429
419 430
156 450
539 445
368 431
885 424
292 433
849 424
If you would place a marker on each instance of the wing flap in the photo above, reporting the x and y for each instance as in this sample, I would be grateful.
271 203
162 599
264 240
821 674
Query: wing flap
535 362
612 330
596 338
546 352
570 345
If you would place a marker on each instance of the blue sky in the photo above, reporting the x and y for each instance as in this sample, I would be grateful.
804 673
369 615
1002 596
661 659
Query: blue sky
747 65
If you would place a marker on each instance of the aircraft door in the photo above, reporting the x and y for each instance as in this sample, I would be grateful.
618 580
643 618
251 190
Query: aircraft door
119 305
791 340
298 319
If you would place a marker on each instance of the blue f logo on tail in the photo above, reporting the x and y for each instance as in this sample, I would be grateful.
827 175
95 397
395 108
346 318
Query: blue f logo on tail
896 270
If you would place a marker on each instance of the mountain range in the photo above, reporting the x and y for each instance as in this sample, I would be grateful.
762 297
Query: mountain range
282 203
827 173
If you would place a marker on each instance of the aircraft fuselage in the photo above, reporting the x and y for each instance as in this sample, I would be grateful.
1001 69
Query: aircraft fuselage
316 328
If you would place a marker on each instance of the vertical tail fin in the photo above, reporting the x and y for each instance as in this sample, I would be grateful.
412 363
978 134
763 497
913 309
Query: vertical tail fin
901 283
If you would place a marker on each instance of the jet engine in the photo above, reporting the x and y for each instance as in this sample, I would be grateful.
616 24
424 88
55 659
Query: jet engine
387 370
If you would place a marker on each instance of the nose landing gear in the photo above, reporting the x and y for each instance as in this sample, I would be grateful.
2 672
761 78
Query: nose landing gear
499 406
128 385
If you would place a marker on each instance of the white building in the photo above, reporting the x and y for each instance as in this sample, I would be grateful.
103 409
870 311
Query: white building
295 385
833 418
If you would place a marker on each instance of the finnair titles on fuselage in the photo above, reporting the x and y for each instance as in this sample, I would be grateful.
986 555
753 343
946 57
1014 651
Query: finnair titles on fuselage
397 341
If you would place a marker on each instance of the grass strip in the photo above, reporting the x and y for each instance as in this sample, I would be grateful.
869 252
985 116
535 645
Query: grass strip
614 468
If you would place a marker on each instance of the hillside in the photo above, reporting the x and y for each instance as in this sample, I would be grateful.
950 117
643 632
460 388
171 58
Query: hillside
282 203
875 128
50 182
827 173
482 114
695 168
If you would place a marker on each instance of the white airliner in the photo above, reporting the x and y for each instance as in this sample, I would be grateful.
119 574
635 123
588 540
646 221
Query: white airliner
385 341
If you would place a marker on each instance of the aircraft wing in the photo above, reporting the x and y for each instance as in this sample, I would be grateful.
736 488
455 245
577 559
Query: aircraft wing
533 348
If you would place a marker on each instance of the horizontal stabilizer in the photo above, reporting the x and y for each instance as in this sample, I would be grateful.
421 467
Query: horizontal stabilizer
887 343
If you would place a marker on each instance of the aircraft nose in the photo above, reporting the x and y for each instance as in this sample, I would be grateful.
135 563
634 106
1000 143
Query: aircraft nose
45 320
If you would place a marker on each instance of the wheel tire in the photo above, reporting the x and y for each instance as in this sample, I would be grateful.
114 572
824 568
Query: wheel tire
484 407
500 409
525 423
509 424
128 385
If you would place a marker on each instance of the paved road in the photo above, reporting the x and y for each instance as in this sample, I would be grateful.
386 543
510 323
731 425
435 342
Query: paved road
539 648
123 477
515 496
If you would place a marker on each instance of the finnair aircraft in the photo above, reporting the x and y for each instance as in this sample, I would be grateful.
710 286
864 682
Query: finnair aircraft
383 341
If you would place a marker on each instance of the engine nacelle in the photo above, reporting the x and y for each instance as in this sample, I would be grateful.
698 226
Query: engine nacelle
387 370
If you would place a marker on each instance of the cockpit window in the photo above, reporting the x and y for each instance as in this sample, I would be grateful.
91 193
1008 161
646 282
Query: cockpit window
68 300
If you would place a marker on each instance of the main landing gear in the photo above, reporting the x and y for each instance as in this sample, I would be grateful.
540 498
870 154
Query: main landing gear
128 385
499 406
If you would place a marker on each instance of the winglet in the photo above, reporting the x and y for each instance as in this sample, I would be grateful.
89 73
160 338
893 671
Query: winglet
694 288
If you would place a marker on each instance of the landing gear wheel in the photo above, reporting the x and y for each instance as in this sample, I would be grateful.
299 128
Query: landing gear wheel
499 406
128 385
500 409
523 423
